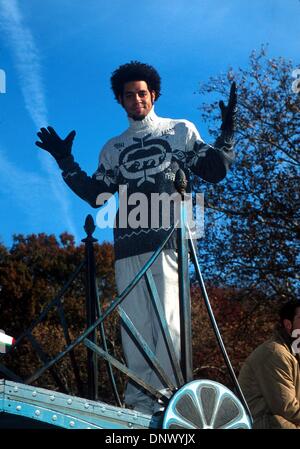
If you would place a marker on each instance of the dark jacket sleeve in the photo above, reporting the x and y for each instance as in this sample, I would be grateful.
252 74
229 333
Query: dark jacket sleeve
209 162
276 380
88 187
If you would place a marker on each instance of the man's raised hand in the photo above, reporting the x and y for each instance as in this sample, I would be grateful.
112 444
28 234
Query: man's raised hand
51 142
229 112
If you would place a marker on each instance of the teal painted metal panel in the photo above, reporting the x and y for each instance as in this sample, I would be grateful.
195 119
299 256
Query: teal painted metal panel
45 415
1 395
66 411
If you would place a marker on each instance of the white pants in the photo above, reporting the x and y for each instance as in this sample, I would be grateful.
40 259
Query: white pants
139 308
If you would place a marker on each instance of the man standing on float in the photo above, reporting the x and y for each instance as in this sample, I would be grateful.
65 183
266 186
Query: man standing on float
144 159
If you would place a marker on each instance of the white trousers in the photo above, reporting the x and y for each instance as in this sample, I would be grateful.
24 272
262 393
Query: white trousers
139 308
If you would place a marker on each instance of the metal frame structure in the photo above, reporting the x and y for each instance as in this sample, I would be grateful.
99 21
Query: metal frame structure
42 406
103 414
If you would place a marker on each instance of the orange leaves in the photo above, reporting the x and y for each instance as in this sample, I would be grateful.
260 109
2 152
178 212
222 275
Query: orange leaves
244 323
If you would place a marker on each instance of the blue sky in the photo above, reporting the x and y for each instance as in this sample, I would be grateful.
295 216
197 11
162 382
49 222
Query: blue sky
58 56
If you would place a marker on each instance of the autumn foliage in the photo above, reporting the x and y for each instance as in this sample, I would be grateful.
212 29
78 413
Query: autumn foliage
35 269
32 273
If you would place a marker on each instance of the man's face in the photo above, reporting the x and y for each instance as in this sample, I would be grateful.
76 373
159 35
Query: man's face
137 100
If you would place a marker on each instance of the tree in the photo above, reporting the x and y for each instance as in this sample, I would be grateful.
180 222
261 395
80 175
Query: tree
32 272
252 219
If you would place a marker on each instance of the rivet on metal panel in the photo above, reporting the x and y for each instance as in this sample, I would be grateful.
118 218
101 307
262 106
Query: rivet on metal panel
135 416
52 398
54 418
72 424
119 413
103 409
129 424
69 401
86 405
16 389
34 393
37 412
18 408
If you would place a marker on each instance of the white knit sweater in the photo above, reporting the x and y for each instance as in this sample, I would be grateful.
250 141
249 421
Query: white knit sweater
145 159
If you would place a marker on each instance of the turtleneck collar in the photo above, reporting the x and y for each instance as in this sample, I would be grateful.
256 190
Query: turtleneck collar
149 120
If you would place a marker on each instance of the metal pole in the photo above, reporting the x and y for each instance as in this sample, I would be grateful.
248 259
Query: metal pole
184 284
91 304
216 329
103 337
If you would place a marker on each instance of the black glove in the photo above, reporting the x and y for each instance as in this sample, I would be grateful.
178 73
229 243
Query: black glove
225 140
229 112
52 143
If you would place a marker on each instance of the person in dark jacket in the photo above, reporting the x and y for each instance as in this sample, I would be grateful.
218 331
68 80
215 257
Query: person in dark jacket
270 376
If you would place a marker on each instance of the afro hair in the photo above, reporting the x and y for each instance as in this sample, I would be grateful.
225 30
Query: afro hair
135 71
